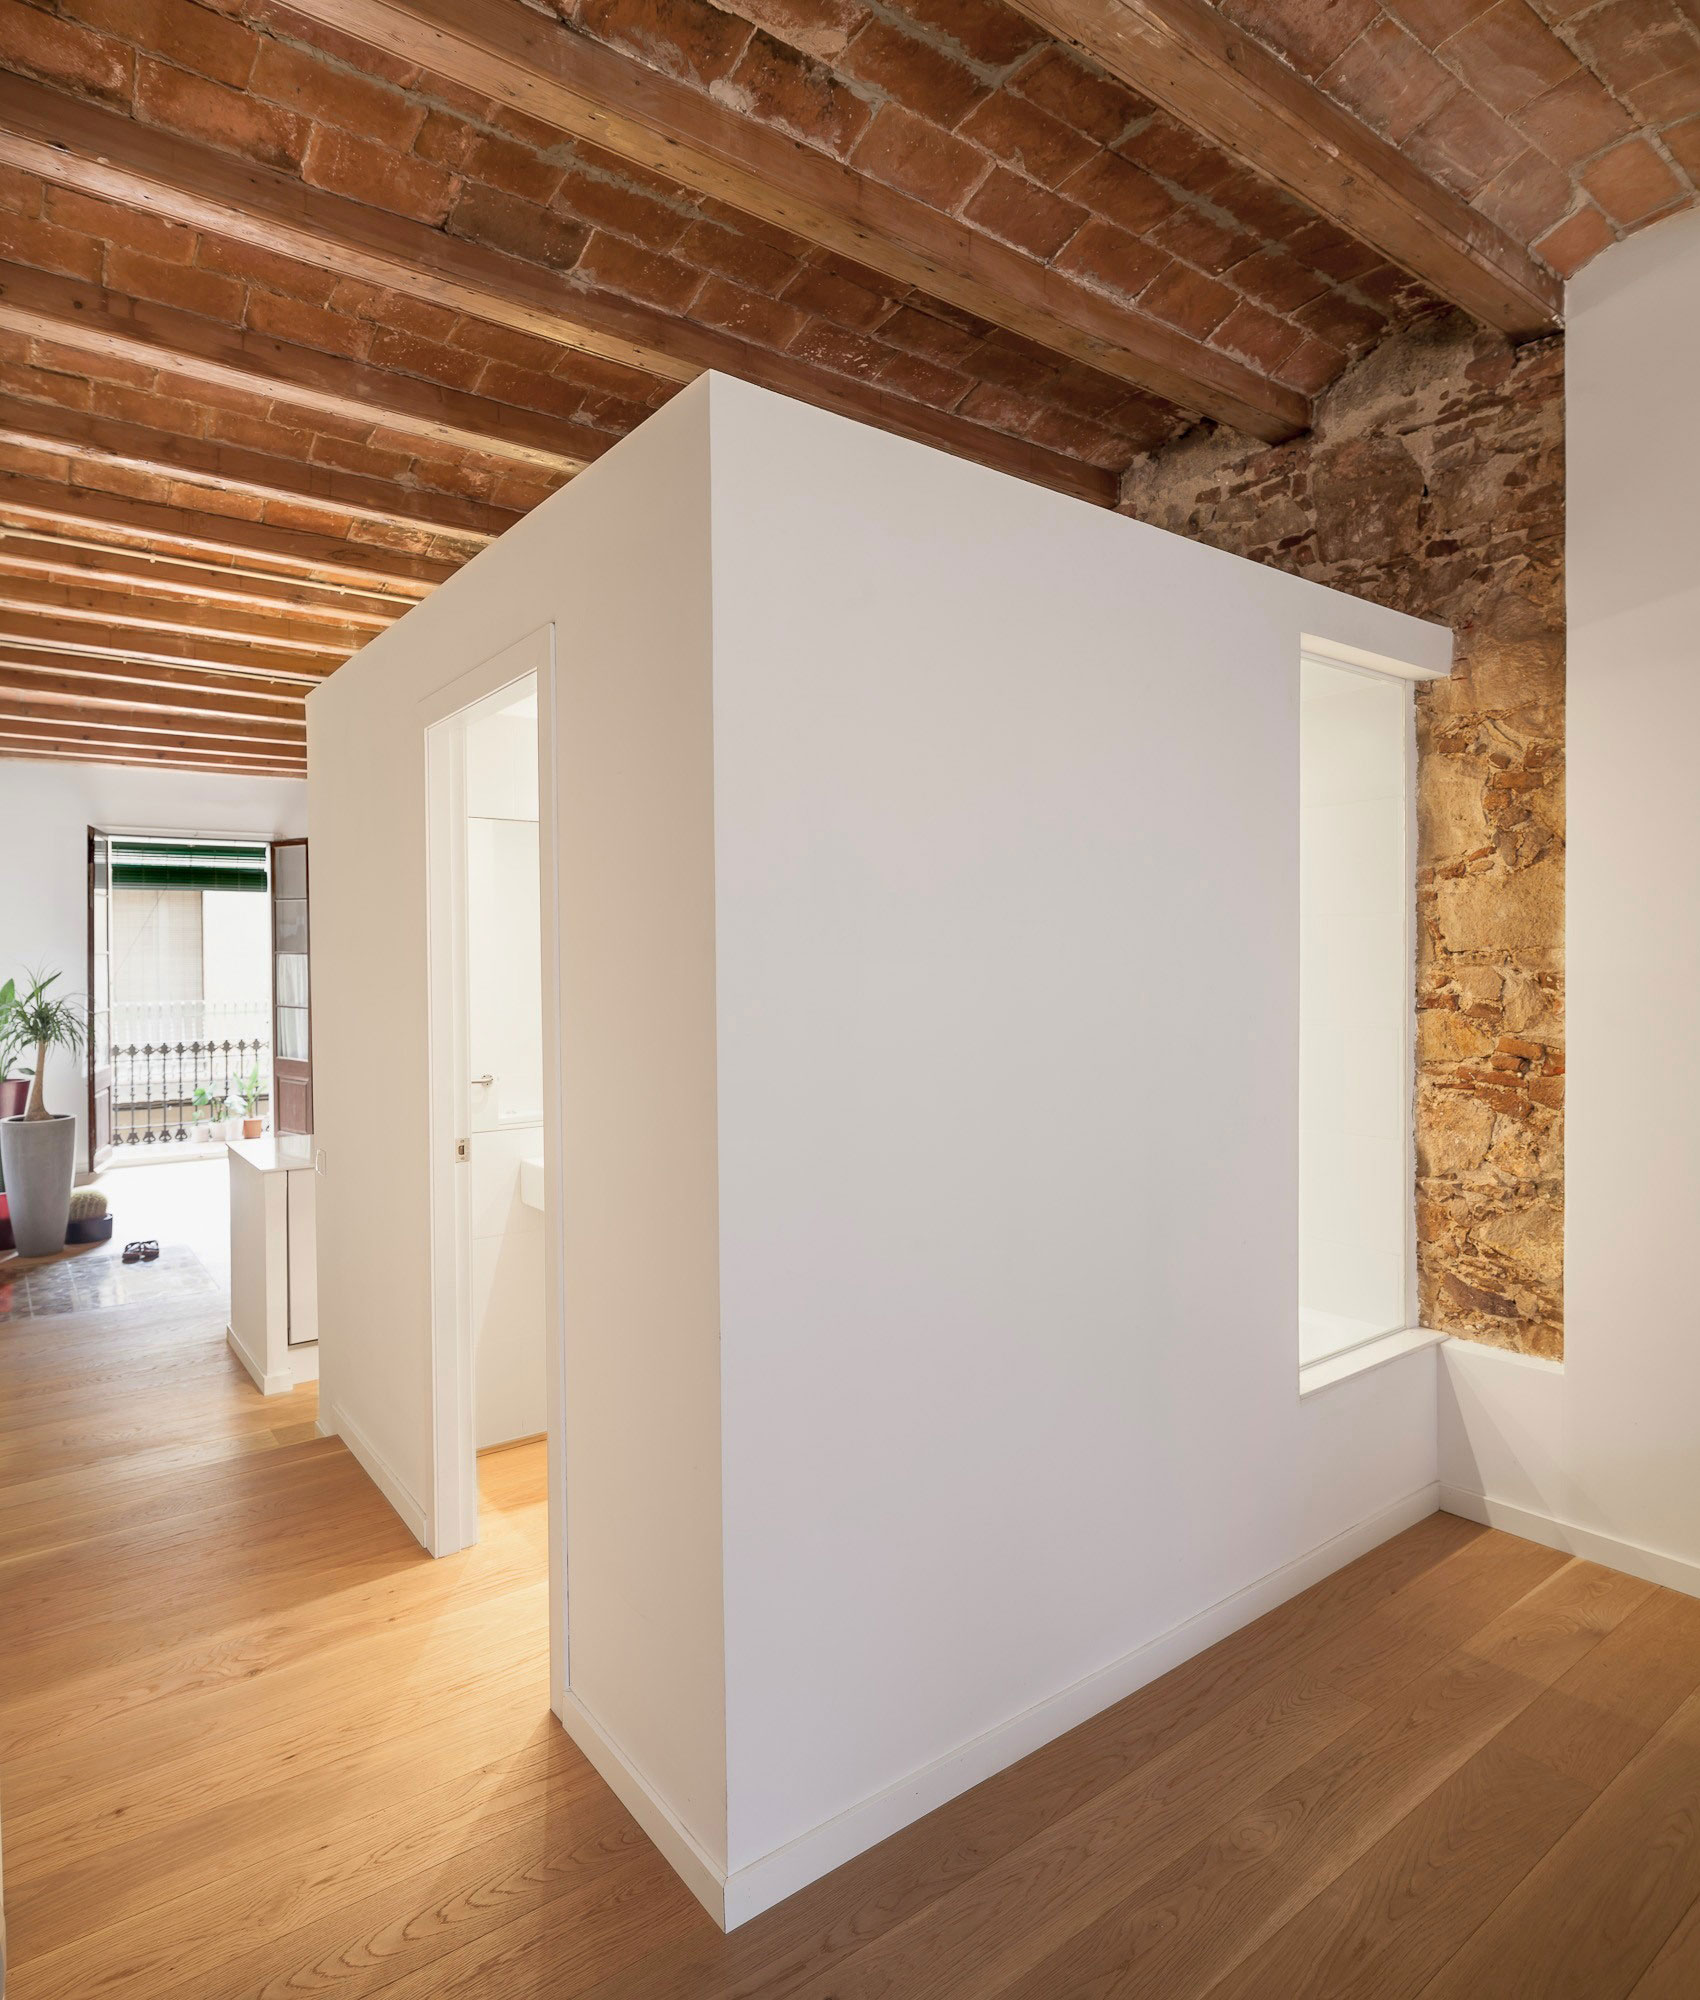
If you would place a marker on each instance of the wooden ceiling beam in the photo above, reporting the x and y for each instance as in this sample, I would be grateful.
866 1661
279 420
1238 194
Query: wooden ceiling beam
22 739
32 681
143 723
45 505
41 554
507 51
122 672
101 153
224 767
93 321
120 641
1193 60
130 604
111 441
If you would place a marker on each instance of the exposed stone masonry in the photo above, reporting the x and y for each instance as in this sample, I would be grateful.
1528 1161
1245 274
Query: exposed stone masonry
1434 482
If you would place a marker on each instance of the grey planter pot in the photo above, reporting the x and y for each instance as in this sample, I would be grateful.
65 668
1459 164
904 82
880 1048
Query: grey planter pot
40 1157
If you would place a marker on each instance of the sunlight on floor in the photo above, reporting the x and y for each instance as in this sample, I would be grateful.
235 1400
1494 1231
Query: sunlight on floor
176 1201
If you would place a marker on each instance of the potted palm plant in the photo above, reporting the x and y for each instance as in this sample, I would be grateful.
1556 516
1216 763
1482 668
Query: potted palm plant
38 1148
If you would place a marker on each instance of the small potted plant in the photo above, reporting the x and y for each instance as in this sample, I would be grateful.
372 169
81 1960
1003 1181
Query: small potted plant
38 1148
209 1110
252 1093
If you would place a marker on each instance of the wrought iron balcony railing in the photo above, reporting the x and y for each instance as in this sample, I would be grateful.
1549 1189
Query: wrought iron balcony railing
177 1068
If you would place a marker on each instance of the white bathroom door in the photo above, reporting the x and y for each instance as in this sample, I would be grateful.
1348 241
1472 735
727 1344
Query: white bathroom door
504 975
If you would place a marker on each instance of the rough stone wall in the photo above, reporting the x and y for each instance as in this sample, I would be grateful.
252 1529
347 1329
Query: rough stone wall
1434 482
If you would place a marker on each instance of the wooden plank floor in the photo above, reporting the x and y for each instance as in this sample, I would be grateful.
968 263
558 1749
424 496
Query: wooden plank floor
254 1743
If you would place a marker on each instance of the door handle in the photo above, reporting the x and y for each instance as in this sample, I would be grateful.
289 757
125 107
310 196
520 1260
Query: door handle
485 1080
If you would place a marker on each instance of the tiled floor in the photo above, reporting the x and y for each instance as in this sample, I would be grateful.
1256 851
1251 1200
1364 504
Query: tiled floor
184 1204
176 1200
82 1281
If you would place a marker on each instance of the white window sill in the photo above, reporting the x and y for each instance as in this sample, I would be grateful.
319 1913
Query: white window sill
1332 1368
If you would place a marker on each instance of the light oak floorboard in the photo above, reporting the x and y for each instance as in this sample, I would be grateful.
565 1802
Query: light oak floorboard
255 1744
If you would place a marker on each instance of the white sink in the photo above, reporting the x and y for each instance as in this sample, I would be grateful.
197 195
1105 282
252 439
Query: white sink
531 1183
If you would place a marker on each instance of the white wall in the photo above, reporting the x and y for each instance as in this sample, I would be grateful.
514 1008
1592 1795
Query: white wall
1605 1453
46 810
929 959
618 563
1006 820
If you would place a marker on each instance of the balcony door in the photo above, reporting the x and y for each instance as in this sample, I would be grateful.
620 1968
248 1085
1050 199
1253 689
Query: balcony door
292 1039
100 999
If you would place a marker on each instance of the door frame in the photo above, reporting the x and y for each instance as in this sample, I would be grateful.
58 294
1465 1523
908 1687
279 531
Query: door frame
206 837
98 1153
452 1503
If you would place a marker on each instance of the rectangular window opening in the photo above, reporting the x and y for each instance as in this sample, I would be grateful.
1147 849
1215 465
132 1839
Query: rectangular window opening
1357 920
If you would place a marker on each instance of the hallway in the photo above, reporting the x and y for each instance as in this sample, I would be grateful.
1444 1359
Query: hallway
246 1726
254 1743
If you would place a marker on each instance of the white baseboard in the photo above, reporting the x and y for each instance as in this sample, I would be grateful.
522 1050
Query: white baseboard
276 1384
732 1899
760 1884
701 1875
1651 1565
334 1422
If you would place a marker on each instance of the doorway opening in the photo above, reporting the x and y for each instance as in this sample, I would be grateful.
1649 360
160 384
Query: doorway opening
495 1317
198 1023
197 993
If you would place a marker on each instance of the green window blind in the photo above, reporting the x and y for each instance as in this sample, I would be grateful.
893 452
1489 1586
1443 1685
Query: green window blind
157 864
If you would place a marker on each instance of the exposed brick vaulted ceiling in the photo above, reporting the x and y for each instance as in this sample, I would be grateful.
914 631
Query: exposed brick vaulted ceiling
298 307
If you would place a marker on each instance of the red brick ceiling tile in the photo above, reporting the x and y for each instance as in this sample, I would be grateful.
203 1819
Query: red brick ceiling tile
1311 366
1389 79
1278 281
1023 213
780 87
1682 142
1026 136
924 78
1508 56
818 28
1061 84
1189 300
1257 336
984 30
1575 241
1528 197
1112 259
1122 191
1632 183
1434 21
1575 119
687 38
1464 144
910 153
1630 42
1310 33
1674 95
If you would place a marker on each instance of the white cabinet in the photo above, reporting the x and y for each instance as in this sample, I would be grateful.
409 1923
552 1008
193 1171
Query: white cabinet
274 1304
